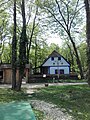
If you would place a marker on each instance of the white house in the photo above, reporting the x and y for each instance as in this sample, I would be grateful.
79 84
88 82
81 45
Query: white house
55 64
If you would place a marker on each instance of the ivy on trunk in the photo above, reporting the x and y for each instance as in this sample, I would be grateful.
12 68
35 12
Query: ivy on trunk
87 5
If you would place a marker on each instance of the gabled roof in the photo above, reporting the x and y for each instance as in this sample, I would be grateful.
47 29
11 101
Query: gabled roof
9 66
55 54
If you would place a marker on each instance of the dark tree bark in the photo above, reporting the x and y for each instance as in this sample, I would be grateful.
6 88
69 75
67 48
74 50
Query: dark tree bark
72 57
77 56
22 48
14 50
87 5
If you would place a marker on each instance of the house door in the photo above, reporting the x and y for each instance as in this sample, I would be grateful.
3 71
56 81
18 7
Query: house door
61 71
1 74
56 71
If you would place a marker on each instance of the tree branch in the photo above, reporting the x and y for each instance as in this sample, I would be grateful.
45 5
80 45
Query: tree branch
57 20
29 16
3 3
61 12
67 13
33 28
74 14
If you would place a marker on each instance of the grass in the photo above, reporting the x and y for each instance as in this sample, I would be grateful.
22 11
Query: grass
74 81
8 95
74 99
38 114
67 81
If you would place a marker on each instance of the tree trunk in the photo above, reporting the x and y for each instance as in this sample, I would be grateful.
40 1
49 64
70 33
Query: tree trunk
72 58
66 25
22 49
35 55
28 55
77 56
14 50
87 5
31 36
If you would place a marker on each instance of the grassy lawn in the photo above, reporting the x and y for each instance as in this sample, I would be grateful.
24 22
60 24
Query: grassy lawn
72 81
38 114
67 81
75 99
8 95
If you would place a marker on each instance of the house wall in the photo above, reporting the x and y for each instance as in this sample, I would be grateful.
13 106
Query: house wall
7 75
27 74
56 62
66 69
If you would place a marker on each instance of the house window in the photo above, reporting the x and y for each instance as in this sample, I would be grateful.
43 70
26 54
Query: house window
59 58
61 71
53 63
52 58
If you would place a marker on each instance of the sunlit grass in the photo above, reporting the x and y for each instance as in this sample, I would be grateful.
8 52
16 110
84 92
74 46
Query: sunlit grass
38 114
75 99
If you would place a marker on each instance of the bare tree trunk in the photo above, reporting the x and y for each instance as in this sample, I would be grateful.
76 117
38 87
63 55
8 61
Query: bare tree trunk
87 5
77 56
22 49
14 50
32 33
72 57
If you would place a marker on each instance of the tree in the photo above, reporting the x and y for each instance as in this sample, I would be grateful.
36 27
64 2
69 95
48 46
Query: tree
3 31
68 53
6 56
14 50
87 5
22 48
31 34
63 15
83 55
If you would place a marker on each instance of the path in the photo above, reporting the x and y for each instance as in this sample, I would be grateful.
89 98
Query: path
51 111
39 85
30 86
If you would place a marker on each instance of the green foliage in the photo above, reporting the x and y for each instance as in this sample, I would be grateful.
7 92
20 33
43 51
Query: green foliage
6 56
3 30
62 14
44 23
83 55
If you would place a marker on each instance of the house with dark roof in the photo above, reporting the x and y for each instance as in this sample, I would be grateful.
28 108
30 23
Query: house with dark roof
55 64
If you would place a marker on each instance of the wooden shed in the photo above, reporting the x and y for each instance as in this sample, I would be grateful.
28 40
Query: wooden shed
6 73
